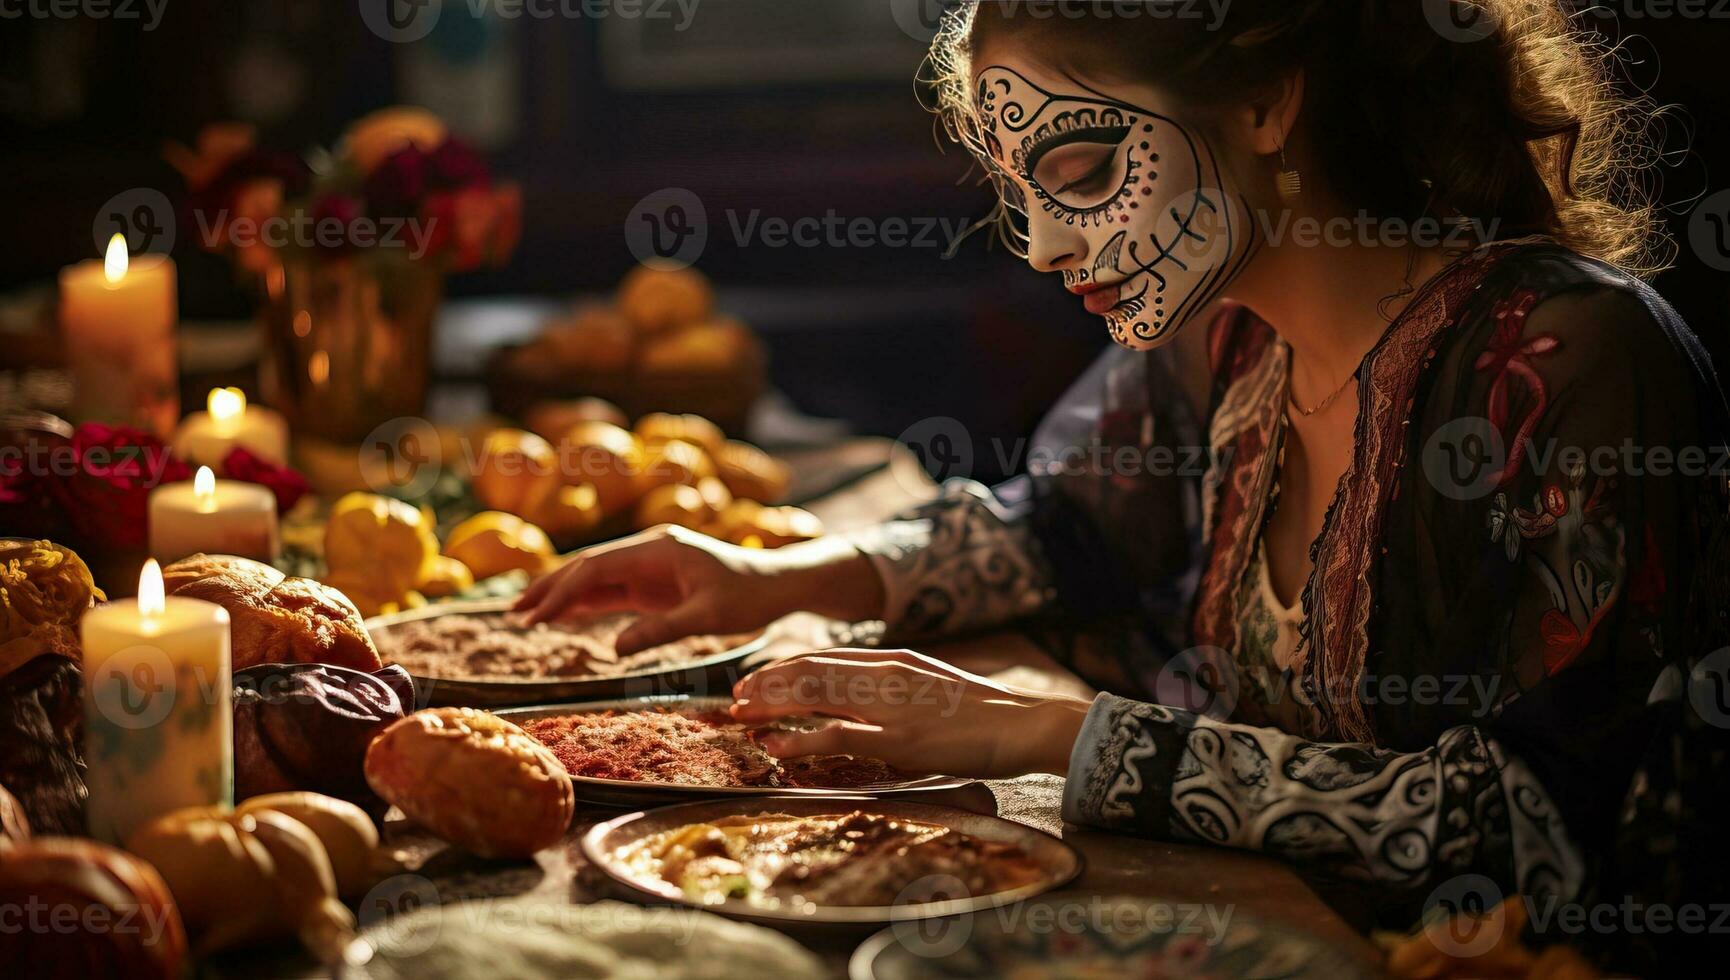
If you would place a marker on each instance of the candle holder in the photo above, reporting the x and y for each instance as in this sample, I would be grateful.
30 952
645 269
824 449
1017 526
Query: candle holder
348 342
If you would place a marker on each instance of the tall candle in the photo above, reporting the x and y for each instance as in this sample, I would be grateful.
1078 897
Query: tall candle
158 720
217 517
117 318
206 438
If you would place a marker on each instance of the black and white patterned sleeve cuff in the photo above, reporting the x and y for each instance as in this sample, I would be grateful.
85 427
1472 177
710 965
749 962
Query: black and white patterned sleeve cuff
956 564
1404 820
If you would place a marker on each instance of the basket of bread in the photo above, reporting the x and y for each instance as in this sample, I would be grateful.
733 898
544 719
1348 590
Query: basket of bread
658 345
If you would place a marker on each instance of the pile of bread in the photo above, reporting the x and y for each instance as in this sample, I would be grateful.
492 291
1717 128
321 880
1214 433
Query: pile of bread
584 476
662 322
332 756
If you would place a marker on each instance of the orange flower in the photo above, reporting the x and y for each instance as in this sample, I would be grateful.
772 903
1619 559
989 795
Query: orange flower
219 145
373 138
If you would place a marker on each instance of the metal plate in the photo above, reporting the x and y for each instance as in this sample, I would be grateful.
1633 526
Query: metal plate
1060 862
636 793
717 672
1112 936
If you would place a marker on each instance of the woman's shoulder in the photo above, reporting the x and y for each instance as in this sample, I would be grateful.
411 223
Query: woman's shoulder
1544 298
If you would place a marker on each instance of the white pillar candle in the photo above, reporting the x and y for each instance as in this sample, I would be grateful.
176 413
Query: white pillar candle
117 318
206 438
158 720
217 517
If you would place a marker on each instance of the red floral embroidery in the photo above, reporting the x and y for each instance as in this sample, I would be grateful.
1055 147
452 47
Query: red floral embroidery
1509 353
1562 640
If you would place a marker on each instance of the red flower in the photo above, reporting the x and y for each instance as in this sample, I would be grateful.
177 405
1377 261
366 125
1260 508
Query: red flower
105 497
337 210
455 166
396 188
287 484
507 222
474 227
1509 353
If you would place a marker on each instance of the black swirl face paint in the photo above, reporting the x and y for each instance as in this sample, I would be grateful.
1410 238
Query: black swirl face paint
1144 192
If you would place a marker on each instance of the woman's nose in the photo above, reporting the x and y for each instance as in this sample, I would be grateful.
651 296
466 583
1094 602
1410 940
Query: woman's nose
1053 244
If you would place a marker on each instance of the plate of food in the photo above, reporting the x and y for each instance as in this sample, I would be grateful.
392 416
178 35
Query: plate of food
469 654
643 751
1077 936
791 860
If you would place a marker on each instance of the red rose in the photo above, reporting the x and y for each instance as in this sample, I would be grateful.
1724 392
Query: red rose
287 484
114 468
330 213
455 165
507 223
395 189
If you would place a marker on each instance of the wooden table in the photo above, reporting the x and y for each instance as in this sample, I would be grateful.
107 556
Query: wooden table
877 479
1203 885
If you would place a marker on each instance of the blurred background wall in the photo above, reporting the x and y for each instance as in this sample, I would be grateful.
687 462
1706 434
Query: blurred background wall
782 108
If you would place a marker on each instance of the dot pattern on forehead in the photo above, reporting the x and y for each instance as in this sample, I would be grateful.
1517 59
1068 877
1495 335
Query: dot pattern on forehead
1185 245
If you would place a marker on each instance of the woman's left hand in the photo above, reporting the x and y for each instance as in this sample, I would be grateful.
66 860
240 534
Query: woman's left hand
914 712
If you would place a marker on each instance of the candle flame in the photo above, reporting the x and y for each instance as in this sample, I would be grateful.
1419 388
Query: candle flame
204 487
115 262
226 404
150 598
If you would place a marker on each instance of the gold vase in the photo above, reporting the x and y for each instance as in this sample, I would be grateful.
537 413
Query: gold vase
348 342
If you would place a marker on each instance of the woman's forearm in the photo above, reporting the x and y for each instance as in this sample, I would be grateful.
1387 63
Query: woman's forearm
1399 819
832 577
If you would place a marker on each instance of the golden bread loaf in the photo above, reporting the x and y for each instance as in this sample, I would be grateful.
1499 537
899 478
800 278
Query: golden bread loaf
274 618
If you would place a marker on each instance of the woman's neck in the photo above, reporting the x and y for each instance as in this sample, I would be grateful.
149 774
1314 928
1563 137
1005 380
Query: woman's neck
1331 304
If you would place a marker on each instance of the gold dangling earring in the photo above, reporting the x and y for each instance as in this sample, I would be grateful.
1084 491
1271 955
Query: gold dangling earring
1289 182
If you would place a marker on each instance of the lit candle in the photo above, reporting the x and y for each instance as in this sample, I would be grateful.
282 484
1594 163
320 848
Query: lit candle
117 318
206 438
158 725
217 517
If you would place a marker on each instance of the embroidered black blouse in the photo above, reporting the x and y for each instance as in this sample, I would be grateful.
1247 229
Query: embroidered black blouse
1530 544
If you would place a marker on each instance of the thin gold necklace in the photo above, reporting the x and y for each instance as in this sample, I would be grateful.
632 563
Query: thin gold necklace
1291 397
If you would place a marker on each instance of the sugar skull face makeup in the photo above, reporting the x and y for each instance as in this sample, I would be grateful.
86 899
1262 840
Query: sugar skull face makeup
1126 202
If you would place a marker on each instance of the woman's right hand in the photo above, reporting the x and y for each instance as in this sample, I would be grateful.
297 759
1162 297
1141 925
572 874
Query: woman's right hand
682 583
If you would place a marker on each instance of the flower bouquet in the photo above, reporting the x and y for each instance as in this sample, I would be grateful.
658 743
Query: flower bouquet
350 249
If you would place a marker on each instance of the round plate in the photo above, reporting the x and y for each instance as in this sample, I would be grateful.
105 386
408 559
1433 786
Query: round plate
632 792
713 673
1074 935
1059 862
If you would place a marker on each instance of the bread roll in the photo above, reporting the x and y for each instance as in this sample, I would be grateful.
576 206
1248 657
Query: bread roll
275 619
594 338
752 473
661 299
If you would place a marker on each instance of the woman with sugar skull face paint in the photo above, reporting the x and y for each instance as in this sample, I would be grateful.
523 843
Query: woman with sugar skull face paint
1403 619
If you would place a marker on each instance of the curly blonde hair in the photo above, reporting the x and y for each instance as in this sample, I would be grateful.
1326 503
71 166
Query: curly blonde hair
1523 127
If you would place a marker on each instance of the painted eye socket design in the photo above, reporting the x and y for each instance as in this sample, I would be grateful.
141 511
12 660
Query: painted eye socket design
1081 165
1082 169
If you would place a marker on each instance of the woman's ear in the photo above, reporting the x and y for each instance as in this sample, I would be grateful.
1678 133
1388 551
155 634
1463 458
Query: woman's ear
1263 125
